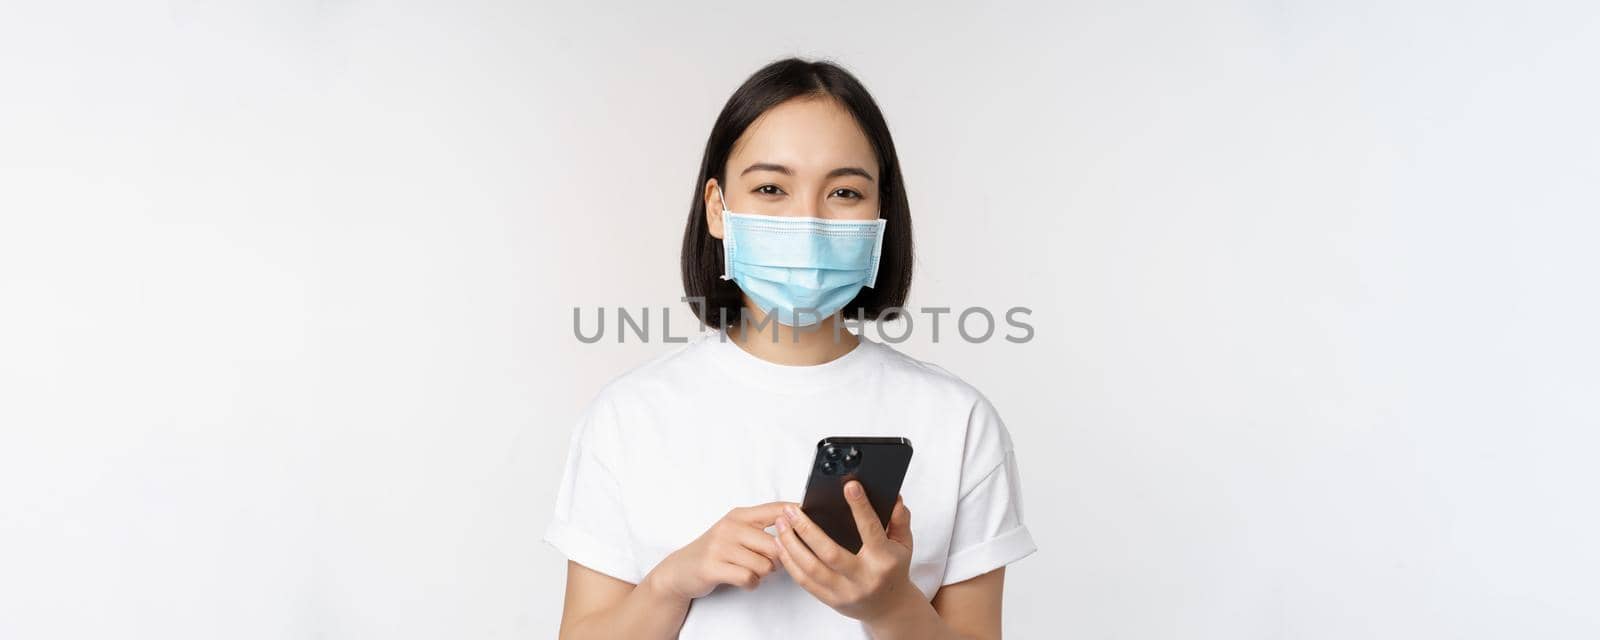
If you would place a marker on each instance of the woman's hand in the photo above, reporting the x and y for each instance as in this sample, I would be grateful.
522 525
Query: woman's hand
867 585
736 550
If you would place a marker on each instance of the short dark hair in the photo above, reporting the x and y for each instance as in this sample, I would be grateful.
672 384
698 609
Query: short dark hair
769 87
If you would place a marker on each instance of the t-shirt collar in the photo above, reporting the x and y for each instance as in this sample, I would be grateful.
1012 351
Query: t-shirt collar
747 368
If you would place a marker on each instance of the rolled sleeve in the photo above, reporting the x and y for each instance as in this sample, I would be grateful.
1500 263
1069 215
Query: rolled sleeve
591 551
589 526
989 531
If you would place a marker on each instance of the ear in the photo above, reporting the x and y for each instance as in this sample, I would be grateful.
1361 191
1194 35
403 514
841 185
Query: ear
713 209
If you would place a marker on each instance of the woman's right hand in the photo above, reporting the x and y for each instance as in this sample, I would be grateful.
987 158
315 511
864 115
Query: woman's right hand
735 550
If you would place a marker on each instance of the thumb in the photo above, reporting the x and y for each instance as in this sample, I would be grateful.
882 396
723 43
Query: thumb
867 523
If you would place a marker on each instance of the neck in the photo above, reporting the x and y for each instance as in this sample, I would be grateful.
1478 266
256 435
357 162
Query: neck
793 346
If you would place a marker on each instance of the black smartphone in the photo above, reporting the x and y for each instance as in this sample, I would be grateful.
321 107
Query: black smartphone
878 463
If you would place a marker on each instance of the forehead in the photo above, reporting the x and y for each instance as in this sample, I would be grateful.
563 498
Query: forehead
813 134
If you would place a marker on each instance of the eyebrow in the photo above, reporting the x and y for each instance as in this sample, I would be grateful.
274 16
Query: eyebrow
841 171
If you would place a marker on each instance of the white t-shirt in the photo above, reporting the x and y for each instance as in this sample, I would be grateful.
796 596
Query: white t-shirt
665 450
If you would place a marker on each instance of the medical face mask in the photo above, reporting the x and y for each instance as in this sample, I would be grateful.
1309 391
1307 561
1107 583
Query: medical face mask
802 269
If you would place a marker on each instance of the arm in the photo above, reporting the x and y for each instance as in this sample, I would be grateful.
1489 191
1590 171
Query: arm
733 551
600 606
966 610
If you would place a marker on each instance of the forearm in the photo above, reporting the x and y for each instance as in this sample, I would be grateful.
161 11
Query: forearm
648 612
913 618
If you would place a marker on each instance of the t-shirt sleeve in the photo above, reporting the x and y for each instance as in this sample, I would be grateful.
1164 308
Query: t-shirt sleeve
989 532
588 526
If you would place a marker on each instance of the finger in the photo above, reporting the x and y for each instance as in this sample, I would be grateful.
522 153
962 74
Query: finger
759 563
807 570
798 573
814 580
760 516
900 522
738 576
822 546
757 540
867 522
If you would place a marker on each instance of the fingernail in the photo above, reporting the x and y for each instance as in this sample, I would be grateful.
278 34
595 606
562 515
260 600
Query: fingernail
853 489
783 524
788 510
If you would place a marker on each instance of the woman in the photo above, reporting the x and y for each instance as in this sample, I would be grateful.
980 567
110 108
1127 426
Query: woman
677 509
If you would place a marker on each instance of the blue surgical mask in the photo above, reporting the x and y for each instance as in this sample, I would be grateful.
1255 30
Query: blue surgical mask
802 269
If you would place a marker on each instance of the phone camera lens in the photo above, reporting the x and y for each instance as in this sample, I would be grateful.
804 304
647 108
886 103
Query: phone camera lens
831 452
830 467
852 458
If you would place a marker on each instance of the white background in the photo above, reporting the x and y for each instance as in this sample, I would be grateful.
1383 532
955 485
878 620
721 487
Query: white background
286 297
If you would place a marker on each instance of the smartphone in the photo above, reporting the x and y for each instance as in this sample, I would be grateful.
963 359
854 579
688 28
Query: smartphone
878 463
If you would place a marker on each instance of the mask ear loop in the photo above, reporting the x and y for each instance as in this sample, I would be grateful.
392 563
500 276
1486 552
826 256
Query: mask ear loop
727 237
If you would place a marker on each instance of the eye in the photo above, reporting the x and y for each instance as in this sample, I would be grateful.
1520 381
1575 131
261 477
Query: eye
848 193
769 190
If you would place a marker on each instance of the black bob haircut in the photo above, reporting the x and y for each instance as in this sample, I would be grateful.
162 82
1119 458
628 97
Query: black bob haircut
769 87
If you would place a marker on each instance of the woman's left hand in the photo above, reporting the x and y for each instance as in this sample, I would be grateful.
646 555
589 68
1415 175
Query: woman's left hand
865 585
